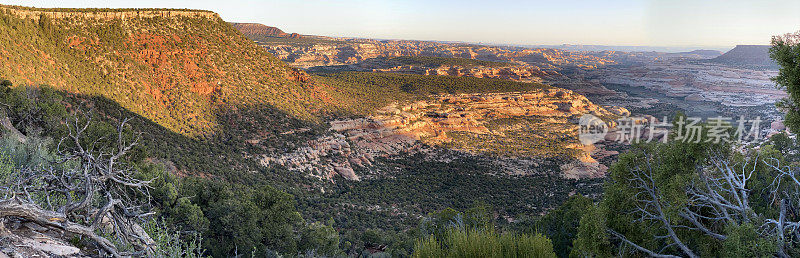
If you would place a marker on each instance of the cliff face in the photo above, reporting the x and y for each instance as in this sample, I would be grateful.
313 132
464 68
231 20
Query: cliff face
313 51
175 67
528 125
457 67
323 54
523 73
103 14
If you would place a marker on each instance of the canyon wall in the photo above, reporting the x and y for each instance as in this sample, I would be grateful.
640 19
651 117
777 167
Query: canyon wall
305 54
104 14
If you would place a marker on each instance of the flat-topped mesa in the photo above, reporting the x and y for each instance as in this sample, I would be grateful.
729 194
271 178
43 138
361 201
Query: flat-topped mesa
104 14
179 68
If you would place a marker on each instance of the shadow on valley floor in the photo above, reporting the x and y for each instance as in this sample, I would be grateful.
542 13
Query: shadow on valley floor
224 154
411 188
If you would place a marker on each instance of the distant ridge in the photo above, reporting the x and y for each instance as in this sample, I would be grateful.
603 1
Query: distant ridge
747 55
103 14
704 53
599 48
256 30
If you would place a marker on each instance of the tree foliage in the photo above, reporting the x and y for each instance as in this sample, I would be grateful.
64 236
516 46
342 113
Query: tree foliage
786 52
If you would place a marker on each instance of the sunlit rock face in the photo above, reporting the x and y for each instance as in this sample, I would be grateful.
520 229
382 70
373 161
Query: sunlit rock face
327 51
455 122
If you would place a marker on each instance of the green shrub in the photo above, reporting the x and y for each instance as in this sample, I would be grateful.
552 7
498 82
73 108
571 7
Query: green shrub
744 241
483 243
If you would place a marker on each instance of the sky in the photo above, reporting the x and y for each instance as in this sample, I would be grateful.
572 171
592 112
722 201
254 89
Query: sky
671 23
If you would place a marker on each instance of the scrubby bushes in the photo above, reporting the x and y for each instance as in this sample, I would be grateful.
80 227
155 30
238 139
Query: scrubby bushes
484 243
226 216
367 92
450 233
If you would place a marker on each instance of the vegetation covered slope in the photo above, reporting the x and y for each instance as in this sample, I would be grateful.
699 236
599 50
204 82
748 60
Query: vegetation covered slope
192 74
257 30
175 67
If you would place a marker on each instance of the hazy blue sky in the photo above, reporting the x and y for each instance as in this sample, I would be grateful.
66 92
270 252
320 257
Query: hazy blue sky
610 22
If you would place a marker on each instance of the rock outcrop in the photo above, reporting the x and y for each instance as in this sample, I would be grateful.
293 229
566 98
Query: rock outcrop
28 239
405 129
525 73
496 70
325 51
104 14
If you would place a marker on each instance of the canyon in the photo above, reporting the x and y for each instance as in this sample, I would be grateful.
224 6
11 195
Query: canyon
494 70
695 82
524 125
316 51
644 82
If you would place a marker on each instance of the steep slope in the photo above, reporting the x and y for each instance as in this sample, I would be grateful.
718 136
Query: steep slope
747 55
257 30
194 74
178 68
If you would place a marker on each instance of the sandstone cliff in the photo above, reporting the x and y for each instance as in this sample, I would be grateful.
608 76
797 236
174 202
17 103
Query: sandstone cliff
326 51
103 14
336 54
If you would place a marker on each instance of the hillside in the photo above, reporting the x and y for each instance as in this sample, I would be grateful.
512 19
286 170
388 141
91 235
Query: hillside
229 119
747 55
175 67
257 30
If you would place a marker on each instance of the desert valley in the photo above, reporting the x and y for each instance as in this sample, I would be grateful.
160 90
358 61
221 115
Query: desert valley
177 133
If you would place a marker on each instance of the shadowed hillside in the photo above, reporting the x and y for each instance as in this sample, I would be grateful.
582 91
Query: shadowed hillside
174 67
747 55
257 30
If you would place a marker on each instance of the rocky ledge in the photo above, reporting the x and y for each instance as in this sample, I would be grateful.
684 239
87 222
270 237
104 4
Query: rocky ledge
104 14
403 129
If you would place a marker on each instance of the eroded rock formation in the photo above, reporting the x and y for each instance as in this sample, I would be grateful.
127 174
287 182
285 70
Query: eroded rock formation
403 129
325 51
104 14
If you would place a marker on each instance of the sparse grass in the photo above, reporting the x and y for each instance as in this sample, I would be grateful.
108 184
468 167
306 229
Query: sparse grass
465 243
368 92
519 137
